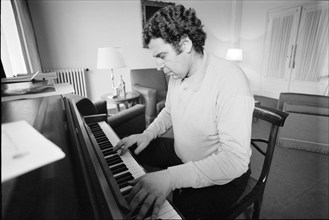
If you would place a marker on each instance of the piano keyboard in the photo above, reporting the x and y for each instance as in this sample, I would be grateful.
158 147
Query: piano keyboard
124 167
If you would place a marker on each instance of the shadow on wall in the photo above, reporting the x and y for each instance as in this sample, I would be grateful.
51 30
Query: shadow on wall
216 46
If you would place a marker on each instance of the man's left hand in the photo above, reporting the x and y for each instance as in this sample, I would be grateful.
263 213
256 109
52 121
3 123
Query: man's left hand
150 189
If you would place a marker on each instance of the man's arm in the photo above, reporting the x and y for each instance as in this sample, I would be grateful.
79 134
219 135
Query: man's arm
161 124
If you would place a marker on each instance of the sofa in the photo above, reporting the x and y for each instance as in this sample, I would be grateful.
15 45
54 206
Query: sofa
124 123
152 85
307 126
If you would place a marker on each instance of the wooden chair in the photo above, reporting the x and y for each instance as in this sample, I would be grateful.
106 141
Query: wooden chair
253 194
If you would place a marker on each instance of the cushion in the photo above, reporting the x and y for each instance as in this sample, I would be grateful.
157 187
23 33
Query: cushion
305 109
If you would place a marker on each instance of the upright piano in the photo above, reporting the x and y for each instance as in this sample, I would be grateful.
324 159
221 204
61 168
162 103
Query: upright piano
91 182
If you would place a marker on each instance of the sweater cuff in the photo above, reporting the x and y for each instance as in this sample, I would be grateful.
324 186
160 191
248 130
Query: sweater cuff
182 176
149 133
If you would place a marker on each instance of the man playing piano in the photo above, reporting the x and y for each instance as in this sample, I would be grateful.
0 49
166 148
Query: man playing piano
209 106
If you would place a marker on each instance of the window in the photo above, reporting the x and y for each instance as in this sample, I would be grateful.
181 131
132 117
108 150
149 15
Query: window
19 52
11 52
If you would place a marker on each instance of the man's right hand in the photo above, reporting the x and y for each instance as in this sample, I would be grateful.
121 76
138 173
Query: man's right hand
142 140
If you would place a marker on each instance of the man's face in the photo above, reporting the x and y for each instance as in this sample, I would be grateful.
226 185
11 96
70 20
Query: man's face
171 63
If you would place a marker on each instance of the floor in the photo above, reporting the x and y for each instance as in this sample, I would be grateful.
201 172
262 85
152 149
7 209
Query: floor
297 187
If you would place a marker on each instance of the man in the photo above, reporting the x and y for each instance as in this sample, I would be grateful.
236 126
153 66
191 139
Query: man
209 106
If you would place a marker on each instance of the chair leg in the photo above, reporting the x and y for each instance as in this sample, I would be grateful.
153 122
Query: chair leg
257 206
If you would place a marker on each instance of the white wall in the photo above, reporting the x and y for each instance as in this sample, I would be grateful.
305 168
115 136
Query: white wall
69 33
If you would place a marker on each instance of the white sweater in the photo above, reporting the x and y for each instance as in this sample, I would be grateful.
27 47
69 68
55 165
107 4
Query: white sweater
211 116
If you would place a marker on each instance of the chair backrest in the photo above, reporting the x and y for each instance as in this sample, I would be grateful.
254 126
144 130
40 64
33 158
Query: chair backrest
255 189
277 119
151 78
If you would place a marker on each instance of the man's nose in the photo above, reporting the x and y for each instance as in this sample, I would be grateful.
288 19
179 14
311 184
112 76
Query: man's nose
160 65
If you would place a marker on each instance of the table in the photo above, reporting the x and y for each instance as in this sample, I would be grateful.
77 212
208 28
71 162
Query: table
129 98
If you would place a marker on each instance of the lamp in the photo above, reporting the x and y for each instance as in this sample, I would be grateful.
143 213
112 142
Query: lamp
110 58
234 54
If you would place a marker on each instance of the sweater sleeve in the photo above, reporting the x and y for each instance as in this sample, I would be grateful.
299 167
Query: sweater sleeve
231 160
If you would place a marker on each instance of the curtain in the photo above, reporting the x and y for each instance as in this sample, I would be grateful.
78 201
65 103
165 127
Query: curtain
279 46
26 35
313 44
280 40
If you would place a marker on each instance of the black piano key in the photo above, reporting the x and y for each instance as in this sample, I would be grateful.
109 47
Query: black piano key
114 157
119 169
122 176
108 151
122 182
113 160
126 192
104 142
116 165
100 139
98 133
104 146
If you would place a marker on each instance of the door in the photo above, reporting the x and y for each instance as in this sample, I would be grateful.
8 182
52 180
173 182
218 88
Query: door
296 50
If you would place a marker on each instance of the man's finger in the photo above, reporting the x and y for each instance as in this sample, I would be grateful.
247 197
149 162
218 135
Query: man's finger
137 186
137 199
119 144
140 148
123 150
147 204
157 205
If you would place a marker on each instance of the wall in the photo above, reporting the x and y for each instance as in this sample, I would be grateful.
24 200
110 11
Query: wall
69 33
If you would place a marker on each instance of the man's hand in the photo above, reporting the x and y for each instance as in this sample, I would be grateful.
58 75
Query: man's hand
150 189
142 140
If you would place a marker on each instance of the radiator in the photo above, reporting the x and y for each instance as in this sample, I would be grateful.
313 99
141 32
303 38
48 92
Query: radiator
76 77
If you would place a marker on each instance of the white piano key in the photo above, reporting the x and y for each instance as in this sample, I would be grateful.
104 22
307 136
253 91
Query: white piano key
169 214
165 207
125 188
109 133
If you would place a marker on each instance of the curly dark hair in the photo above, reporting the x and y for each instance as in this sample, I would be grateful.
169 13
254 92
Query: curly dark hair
172 23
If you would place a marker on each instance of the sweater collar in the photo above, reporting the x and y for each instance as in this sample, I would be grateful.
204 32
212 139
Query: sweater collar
194 82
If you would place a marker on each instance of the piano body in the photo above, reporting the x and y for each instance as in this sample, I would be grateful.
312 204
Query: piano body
89 183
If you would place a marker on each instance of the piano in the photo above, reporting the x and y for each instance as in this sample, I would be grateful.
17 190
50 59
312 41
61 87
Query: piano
91 182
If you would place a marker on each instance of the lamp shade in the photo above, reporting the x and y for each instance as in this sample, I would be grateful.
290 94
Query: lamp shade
109 58
234 54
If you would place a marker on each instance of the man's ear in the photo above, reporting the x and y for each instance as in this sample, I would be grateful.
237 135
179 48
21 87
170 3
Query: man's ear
186 44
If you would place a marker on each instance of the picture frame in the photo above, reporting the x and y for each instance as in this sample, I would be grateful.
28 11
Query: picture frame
149 7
